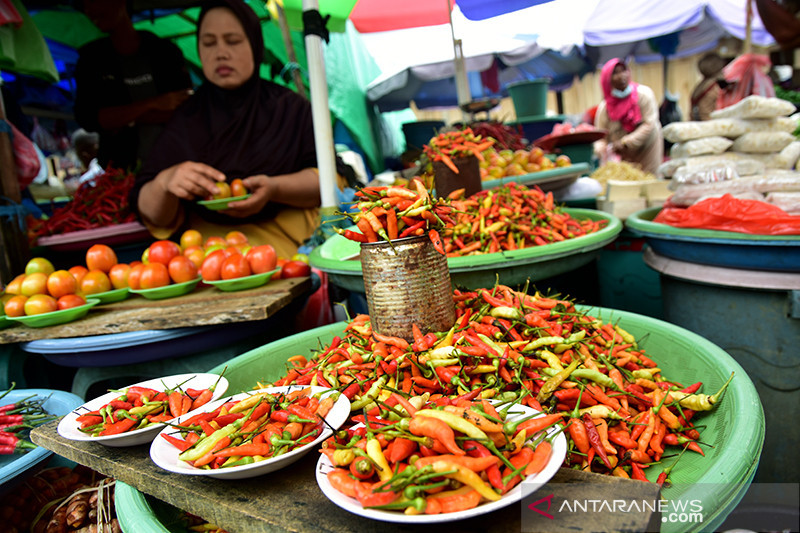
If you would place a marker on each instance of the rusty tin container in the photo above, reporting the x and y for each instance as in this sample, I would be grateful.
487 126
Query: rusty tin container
407 282
467 178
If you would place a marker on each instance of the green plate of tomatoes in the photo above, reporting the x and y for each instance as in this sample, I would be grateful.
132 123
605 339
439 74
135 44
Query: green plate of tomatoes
222 203
5 322
168 291
115 295
243 283
55 318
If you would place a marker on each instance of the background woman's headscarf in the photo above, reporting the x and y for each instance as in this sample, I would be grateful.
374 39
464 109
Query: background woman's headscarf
258 128
624 110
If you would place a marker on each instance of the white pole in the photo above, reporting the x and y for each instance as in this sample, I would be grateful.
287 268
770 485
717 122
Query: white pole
321 116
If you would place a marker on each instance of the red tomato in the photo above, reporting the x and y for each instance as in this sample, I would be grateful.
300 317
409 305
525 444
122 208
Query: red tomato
235 266
262 258
162 252
154 275
119 275
295 269
211 268
15 306
215 240
78 271
95 282
135 275
68 301
181 269
39 304
100 257
61 283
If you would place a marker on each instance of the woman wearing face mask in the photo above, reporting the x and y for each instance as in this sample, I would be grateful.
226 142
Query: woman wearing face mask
236 125
629 112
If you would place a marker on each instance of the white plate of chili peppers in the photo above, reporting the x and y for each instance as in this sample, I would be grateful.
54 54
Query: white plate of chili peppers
122 426
237 458
530 484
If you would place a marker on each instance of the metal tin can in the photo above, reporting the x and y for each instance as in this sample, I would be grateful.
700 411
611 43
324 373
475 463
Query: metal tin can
407 282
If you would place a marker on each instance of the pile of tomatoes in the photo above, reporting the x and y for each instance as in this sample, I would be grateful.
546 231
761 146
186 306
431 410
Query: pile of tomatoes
41 289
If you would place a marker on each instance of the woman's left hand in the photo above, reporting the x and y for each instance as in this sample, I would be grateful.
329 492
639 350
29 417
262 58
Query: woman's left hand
260 194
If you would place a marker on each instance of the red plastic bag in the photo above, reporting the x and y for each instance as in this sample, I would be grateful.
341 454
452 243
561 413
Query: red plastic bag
732 214
746 75
25 157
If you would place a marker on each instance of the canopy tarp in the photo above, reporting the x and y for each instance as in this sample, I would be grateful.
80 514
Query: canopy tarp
23 49
620 28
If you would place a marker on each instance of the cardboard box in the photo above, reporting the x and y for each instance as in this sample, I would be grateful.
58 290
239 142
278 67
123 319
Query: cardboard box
622 209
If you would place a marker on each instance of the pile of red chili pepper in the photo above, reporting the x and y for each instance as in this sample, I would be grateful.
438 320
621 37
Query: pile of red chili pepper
510 217
505 136
442 456
16 421
92 206
139 407
242 432
452 144
619 410
389 213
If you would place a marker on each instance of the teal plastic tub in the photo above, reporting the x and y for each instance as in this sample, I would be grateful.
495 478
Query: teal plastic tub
734 430
338 257
418 134
529 97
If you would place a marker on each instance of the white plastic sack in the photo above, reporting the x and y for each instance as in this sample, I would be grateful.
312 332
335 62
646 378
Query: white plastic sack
785 124
762 142
706 145
771 182
686 131
755 106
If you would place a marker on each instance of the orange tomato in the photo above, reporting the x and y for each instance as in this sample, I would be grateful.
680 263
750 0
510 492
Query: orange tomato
15 285
15 306
95 282
162 252
215 240
39 304
191 237
135 275
238 188
262 258
118 275
100 257
35 283
78 271
181 269
196 256
154 275
223 192
235 266
211 268
68 301
61 283
235 237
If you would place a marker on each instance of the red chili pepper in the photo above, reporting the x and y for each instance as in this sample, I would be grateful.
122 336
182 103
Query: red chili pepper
595 440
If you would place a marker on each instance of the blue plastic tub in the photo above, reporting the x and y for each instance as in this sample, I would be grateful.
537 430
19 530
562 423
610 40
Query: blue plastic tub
58 403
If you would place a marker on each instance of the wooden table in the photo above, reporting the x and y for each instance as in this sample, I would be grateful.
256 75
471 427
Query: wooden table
205 306
290 500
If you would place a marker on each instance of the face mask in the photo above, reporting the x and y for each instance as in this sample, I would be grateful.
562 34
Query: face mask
622 94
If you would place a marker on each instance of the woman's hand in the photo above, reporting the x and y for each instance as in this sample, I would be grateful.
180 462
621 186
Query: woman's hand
190 180
260 188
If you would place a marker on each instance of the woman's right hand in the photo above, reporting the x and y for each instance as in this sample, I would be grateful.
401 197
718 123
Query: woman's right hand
190 180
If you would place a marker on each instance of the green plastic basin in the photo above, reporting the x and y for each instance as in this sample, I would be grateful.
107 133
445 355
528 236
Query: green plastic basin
338 257
734 429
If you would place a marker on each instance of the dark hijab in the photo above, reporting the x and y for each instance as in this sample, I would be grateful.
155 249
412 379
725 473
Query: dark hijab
257 128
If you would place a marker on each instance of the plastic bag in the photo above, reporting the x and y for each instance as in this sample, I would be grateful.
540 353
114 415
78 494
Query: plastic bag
752 125
731 214
756 107
686 131
785 159
706 145
746 75
788 201
762 142
26 158
742 165
668 168
688 194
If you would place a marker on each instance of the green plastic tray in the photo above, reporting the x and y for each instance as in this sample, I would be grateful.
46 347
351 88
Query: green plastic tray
513 267
734 430
546 179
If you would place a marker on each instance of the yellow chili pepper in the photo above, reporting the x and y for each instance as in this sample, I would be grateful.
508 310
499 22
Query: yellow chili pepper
467 477
552 383
375 453
510 313
455 422
447 340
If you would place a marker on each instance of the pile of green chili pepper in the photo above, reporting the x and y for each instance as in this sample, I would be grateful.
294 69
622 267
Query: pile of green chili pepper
619 410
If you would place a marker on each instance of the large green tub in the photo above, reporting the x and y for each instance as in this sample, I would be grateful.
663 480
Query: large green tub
338 257
734 430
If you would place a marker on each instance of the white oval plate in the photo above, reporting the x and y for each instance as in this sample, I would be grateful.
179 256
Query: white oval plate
68 426
531 484
165 454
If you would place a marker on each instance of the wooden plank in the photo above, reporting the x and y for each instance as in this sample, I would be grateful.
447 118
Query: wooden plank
203 306
290 500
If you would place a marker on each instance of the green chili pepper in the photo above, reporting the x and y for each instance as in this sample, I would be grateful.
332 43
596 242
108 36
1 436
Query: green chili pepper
205 445
370 395
552 384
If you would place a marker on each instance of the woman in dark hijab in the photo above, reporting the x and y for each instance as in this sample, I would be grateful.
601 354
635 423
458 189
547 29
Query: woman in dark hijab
236 125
